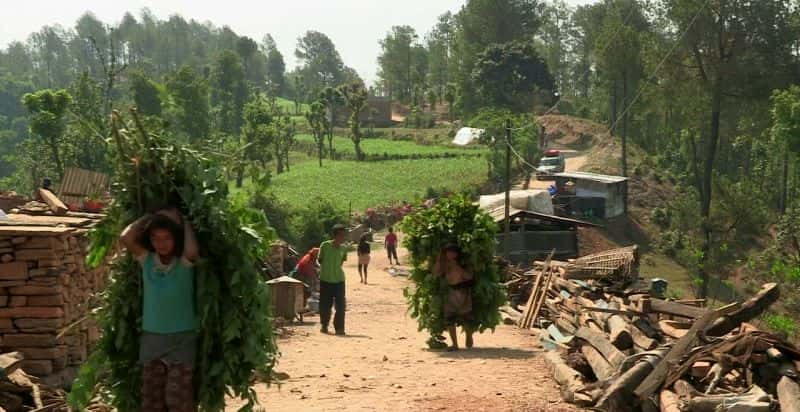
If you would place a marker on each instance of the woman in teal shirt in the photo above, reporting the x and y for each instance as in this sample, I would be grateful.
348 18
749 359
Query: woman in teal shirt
166 248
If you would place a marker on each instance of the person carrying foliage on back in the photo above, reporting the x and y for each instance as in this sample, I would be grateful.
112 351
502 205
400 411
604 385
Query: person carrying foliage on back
165 246
458 299
332 254
455 279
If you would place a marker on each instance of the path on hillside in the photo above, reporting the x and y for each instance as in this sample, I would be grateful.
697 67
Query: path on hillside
574 161
384 364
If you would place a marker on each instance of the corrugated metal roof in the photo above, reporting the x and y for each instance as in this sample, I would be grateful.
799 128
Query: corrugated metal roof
499 214
79 183
592 176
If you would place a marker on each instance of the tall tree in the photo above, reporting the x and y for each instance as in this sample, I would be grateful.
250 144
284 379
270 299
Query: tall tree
440 43
276 67
332 98
321 65
258 137
732 47
554 40
511 75
402 62
47 109
318 122
189 95
145 92
229 91
786 135
355 98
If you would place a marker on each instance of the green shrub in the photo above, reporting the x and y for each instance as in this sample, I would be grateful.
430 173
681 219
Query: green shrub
782 324
313 222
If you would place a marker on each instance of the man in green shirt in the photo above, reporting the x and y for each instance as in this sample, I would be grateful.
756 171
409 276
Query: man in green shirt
332 254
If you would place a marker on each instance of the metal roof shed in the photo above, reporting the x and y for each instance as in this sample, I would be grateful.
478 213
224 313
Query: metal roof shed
533 235
613 189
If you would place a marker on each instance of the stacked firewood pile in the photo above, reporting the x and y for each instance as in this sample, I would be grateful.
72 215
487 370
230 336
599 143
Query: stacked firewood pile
616 347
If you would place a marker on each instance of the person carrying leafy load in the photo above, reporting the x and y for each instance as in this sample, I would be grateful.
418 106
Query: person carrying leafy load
332 254
455 279
458 300
165 247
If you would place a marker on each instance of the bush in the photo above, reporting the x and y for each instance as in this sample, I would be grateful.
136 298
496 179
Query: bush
312 224
782 324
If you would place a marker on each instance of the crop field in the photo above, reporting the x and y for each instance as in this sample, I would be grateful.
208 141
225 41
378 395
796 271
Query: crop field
376 146
368 184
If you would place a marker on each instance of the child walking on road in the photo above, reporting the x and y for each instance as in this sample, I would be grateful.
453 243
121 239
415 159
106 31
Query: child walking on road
165 247
391 246
363 257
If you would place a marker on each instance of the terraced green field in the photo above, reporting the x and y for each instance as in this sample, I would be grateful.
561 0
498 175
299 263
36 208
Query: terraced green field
391 147
369 184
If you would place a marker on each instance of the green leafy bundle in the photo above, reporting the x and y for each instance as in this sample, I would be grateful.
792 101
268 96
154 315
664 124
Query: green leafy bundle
427 232
232 303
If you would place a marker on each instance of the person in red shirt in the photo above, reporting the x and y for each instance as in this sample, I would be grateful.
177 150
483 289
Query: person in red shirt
391 245
306 269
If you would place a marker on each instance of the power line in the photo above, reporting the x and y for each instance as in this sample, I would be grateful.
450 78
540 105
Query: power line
658 67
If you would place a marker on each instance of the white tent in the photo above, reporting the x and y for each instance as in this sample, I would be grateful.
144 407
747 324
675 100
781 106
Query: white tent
467 135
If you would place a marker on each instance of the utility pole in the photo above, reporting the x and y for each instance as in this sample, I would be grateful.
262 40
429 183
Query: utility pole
507 235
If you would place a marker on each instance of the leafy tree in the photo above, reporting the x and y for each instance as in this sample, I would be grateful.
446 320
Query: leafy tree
247 50
47 109
258 136
555 40
321 65
786 134
276 67
229 91
318 122
510 75
403 62
450 97
355 98
432 98
332 98
440 45
285 130
731 46
189 94
146 93
84 141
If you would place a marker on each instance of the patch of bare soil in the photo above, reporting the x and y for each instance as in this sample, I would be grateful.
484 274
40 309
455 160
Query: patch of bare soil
384 364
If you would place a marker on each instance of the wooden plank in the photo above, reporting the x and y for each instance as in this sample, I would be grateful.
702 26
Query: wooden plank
625 312
750 309
550 274
35 230
50 220
676 309
788 395
599 341
654 380
9 362
530 307
56 205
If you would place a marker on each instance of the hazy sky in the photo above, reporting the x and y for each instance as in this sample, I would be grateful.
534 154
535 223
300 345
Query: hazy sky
354 25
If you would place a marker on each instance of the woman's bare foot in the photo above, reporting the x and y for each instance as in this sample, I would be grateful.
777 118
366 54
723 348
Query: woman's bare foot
452 348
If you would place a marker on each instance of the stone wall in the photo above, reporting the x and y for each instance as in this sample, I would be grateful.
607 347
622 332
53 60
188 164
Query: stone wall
45 295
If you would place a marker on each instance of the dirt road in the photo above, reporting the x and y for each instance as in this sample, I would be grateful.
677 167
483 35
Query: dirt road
574 161
384 364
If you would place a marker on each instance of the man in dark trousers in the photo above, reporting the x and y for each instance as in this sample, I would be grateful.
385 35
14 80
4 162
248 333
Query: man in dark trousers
332 254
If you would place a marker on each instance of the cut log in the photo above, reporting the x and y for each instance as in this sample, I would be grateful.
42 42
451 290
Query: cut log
669 401
9 362
640 339
56 205
674 329
675 308
618 329
789 395
654 380
569 379
586 320
644 325
619 396
599 342
600 366
750 309
565 325
755 400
